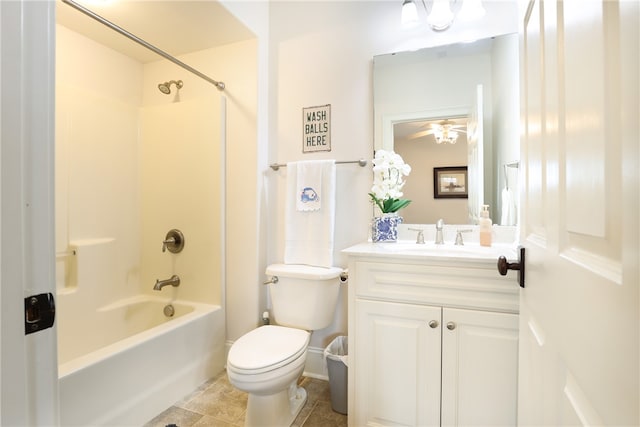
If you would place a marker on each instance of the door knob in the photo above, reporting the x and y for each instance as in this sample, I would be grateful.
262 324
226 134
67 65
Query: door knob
504 266
433 324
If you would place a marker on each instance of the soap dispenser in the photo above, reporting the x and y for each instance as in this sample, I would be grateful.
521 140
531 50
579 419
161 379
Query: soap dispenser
484 226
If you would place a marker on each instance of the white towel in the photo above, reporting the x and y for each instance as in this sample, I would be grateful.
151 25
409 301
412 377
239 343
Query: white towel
309 185
309 234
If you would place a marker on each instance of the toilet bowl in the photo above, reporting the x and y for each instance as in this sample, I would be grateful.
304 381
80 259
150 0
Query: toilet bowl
267 361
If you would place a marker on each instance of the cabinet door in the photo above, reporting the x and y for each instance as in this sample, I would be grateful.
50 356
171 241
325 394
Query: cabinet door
398 349
479 368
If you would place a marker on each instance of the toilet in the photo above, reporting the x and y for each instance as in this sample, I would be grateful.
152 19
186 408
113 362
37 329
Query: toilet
267 362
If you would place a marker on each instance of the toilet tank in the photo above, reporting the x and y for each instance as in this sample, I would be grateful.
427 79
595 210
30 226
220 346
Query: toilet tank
304 296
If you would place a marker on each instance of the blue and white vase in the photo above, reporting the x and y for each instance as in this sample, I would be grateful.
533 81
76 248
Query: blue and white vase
385 228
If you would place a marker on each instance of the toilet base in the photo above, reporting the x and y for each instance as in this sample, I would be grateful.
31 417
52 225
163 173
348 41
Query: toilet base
279 409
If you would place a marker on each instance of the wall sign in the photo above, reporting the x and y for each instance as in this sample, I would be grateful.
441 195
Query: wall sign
316 129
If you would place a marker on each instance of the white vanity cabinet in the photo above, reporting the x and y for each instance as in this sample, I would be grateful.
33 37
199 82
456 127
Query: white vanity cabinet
432 341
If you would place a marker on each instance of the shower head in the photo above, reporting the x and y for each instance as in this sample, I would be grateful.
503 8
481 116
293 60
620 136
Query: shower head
166 86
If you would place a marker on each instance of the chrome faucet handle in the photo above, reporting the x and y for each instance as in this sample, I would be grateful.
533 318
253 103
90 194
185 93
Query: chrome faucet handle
420 236
459 240
440 224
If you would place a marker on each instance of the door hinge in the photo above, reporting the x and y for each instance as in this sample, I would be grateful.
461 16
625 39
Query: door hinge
39 312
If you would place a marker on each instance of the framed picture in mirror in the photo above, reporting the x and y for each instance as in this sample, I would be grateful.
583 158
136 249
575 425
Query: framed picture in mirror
450 182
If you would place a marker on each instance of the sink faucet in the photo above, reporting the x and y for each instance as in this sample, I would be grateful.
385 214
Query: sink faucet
459 240
420 236
439 227
173 281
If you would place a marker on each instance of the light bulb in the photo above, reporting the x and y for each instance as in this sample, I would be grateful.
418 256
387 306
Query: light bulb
409 14
441 16
453 137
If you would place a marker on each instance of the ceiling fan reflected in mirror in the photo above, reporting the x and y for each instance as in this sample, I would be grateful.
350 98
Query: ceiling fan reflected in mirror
445 131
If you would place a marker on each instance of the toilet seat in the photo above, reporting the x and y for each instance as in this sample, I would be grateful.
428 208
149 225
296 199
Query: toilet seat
267 348
307 272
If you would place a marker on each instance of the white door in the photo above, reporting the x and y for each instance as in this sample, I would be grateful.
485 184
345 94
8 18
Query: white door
579 324
28 369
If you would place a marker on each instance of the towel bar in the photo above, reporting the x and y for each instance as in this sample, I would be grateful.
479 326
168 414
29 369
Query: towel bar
361 163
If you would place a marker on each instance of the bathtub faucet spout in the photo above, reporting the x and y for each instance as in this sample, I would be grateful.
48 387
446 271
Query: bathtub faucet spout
173 281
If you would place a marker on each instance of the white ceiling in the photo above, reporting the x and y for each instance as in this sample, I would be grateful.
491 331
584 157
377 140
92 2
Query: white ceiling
174 26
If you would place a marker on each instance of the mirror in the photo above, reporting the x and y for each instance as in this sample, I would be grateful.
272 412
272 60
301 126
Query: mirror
473 87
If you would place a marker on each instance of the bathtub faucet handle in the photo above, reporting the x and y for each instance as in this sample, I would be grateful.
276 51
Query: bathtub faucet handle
173 241
169 241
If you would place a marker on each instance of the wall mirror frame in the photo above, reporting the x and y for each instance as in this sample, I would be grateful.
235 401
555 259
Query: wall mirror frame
439 83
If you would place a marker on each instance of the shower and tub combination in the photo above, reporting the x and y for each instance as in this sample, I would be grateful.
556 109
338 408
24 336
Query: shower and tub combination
125 361
140 318
132 359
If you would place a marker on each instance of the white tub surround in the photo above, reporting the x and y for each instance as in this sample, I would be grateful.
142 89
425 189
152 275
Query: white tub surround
433 334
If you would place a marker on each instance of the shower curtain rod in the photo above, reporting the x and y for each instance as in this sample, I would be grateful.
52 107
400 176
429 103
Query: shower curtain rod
219 85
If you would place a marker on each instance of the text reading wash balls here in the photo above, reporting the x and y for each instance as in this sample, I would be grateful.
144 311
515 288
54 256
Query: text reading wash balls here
316 128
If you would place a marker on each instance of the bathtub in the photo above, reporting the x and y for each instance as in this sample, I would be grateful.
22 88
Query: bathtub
125 363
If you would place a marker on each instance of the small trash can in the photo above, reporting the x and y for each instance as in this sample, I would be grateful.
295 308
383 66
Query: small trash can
336 355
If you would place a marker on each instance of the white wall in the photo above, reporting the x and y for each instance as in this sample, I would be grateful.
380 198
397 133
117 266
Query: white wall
317 50
321 53
247 159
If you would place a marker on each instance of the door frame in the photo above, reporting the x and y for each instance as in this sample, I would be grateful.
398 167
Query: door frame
28 363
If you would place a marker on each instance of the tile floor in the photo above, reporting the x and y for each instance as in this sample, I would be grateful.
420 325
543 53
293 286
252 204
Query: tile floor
217 403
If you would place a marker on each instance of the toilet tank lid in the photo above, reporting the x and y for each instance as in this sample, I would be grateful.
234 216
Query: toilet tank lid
301 271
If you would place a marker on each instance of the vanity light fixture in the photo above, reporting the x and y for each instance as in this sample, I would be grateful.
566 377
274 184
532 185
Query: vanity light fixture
440 17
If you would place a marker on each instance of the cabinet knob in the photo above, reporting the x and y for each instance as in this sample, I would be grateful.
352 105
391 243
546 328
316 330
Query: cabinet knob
451 326
433 324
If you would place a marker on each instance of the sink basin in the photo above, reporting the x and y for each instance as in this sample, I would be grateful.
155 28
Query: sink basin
449 250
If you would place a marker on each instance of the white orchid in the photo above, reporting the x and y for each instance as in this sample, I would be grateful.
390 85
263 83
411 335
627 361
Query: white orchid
389 171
